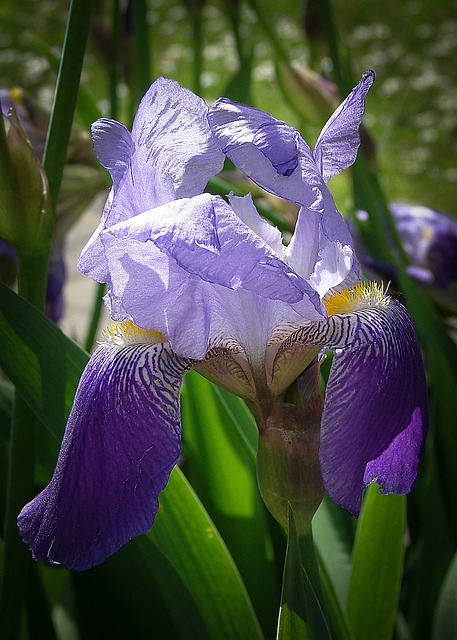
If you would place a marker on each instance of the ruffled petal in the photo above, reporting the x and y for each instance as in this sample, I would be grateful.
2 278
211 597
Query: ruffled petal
173 156
245 209
204 241
321 248
375 414
270 152
123 438
113 146
337 145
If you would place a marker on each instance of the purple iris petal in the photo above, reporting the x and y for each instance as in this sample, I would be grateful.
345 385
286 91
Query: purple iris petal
338 142
122 440
170 154
278 143
277 158
245 209
271 153
375 413
162 262
114 148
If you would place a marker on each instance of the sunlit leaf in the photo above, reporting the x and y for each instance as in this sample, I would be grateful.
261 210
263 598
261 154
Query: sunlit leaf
301 615
377 564
220 463
186 536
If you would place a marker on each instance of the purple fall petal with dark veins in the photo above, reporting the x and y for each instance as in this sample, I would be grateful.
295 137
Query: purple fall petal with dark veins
375 413
122 440
338 142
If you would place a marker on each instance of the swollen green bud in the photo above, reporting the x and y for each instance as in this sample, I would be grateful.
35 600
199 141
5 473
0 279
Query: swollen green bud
25 208
288 468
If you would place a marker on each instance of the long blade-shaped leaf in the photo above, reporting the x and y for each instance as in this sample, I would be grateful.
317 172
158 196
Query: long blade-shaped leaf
301 616
377 565
221 466
42 362
188 539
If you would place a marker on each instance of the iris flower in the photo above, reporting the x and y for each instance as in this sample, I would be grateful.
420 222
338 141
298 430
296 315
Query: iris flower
197 282
429 239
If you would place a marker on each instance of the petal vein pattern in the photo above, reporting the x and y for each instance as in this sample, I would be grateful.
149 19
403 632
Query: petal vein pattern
123 438
170 154
375 414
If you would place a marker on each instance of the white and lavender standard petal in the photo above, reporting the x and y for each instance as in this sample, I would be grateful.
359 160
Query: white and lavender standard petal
338 142
204 237
270 152
113 146
122 440
245 209
321 248
172 135
375 414
170 154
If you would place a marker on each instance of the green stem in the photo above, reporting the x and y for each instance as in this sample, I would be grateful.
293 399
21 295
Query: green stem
63 108
141 50
20 485
265 23
197 42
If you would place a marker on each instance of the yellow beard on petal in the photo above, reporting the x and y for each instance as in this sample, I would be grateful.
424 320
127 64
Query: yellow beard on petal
363 295
127 332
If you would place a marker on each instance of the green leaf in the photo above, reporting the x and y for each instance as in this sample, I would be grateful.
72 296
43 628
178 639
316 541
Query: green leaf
136 594
46 366
377 564
445 620
189 540
301 616
220 464
333 533
40 360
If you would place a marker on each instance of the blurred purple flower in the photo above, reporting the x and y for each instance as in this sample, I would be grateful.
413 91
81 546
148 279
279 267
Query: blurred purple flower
429 239
195 282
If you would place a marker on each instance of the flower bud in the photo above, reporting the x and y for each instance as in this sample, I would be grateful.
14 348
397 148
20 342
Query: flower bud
25 211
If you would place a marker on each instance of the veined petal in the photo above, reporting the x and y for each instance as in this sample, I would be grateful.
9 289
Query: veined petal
113 146
206 239
171 154
375 414
123 438
270 152
171 130
338 142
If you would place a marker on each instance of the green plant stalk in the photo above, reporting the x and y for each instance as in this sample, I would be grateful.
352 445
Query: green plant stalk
264 21
141 50
63 107
32 271
197 46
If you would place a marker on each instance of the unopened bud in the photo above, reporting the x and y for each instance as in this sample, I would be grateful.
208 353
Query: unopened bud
25 209
288 468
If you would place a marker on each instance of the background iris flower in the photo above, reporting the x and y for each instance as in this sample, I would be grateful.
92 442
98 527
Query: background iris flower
196 282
